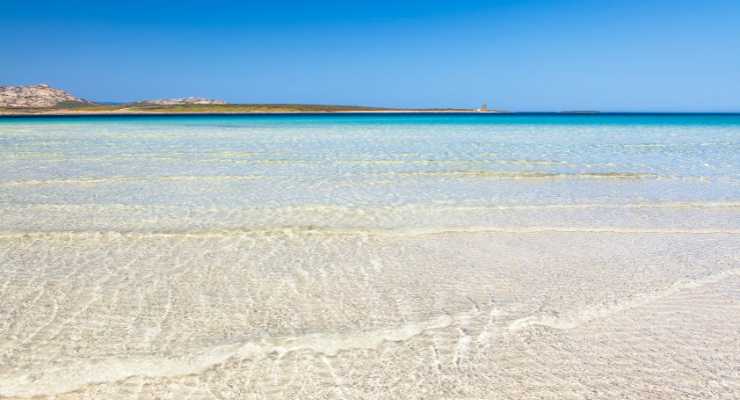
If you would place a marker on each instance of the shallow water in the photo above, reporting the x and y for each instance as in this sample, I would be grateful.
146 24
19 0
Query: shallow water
366 256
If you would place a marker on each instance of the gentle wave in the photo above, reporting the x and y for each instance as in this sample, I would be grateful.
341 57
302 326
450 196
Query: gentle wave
443 174
119 179
599 311
77 374
226 156
456 161
53 381
404 207
294 231
532 175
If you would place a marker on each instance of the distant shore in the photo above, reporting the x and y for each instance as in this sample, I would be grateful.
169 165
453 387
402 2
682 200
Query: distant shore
138 109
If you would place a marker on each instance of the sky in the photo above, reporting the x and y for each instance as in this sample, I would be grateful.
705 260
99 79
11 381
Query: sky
650 55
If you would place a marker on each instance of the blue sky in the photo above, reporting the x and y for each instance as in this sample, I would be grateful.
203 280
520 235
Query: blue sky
515 55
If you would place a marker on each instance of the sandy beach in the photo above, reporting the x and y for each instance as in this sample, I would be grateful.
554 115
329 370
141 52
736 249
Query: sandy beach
393 257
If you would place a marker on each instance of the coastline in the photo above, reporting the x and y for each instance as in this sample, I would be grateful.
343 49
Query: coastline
134 113
5 113
224 110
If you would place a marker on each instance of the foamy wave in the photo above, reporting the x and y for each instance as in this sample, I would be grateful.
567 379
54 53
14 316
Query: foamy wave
573 319
74 375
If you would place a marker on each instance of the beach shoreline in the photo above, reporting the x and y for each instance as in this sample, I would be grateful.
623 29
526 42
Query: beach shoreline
362 255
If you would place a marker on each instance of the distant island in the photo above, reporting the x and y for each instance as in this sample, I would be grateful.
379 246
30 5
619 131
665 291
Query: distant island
44 100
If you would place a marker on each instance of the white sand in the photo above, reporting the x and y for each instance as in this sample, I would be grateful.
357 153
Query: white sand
291 315
150 261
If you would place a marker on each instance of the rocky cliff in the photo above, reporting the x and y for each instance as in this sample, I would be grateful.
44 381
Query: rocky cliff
185 100
34 96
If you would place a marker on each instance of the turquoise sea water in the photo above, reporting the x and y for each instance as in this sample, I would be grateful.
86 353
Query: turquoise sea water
237 161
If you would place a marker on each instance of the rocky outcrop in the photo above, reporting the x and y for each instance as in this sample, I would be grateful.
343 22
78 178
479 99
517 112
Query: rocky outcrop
35 96
185 100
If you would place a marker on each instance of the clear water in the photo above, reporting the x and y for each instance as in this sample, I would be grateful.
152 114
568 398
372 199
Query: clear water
370 256
258 161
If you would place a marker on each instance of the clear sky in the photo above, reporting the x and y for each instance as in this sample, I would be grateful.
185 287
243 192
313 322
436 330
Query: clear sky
646 55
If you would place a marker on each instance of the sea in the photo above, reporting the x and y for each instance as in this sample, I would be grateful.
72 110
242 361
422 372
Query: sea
362 255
